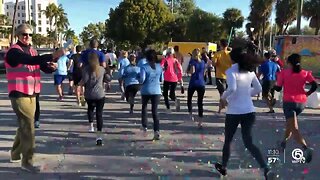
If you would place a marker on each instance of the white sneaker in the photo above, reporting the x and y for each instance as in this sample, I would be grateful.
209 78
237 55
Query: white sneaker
99 141
91 128
144 129
191 117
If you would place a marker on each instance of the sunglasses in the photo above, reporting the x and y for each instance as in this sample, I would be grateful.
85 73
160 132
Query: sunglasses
26 34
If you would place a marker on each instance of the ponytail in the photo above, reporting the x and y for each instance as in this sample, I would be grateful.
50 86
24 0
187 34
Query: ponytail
295 61
151 56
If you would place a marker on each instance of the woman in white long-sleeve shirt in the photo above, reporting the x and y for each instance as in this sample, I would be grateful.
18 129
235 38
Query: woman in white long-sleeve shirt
242 85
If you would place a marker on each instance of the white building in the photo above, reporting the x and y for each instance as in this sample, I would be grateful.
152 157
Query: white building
30 10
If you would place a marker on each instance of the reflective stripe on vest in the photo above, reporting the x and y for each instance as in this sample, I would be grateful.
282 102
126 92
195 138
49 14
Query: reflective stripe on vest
23 78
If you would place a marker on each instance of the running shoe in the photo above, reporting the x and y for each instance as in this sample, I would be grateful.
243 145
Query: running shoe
308 154
37 124
156 136
268 174
91 128
14 159
99 141
82 101
271 112
60 98
220 169
144 129
30 168
191 117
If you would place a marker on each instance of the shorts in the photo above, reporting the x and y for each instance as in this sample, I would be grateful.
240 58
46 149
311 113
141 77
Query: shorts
221 85
58 79
291 109
131 90
76 78
268 87
70 76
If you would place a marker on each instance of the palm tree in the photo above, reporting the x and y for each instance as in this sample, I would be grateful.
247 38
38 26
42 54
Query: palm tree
286 13
311 11
32 23
3 19
61 22
69 34
260 13
50 12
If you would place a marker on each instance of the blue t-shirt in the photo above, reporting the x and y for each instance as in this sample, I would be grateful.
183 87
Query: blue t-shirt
269 70
142 62
130 75
150 79
62 66
124 62
197 78
84 56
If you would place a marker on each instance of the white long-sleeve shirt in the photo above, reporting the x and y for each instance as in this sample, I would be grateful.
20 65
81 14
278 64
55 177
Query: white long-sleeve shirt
240 91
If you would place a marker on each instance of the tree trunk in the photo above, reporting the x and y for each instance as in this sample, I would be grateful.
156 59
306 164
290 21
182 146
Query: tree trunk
263 36
13 22
285 29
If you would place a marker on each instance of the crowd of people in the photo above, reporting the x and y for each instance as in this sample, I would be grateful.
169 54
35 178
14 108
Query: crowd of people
90 72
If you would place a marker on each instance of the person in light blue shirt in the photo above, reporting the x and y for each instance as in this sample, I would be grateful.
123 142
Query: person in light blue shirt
151 75
60 74
142 62
130 76
123 62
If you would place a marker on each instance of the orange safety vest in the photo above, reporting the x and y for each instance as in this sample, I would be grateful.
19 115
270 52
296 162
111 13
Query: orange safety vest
23 78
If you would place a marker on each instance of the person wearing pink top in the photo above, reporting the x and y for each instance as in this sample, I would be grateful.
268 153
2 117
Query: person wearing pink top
172 75
293 81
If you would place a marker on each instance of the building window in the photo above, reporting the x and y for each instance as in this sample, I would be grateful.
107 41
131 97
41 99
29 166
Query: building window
23 14
47 29
18 14
31 14
47 21
39 15
7 14
39 7
39 22
31 7
22 7
7 6
23 21
39 29
18 21
18 7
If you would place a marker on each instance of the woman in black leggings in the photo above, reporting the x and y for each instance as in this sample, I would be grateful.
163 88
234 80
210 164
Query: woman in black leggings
197 83
92 79
151 76
240 109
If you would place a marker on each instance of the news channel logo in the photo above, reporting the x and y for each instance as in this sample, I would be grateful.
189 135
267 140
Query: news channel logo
297 156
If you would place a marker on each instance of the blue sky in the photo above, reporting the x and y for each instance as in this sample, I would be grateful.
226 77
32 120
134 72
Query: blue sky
83 12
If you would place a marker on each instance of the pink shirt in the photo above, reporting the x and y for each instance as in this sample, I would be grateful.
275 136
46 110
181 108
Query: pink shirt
294 84
172 69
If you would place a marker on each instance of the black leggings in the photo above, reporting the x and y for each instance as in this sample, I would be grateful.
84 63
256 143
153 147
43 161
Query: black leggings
231 124
98 104
166 86
155 99
200 91
37 113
